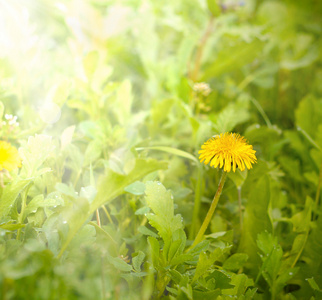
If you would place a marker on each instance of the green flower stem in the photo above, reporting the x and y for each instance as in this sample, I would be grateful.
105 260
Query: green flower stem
211 210
240 208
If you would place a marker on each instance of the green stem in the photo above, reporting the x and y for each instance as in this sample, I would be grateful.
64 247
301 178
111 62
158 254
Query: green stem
211 210
107 214
240 208
262 112
308 137
202 43
98 218
196 208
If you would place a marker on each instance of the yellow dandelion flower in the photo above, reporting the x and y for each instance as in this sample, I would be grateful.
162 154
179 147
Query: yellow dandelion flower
228 150
9 157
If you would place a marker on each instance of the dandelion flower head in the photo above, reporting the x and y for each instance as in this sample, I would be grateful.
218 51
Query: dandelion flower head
9 157
228 150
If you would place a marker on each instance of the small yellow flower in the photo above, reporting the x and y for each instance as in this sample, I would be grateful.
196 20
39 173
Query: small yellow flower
228 150
9 157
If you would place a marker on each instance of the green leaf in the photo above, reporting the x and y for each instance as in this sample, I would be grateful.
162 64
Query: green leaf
161 202
113 184
272 260
229 117
199 295
175 276
256 220
309 114
284 277
146 231
90 63
232 57
119 263
124 102
222 279
137 261
136 188
11 226
213 7
176 247
39 201
301 224
240 282
205 262
238 177
75 217
315 287
235 262
33 155
202 246
93 152
154 250
10 194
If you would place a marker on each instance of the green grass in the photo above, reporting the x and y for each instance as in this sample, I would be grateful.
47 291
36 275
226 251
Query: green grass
111 194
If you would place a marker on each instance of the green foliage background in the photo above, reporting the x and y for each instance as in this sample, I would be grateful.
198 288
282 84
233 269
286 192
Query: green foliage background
111 117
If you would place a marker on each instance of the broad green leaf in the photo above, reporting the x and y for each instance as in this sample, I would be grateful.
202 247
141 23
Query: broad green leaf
137 261
154 250
235 262
205 262
241 283
176 247
10 194
93 152
169 226
119 263
67 136
136 188
39 201
238 177
283 278
233 57
312 253
146 231
176 276
161 202
75 217
33 155
222 279
182 258
202 246
34 245
256 220
229 117
301 225
11 226
199 295
213 7
315 287
109 187
113 184
309 114
55 229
